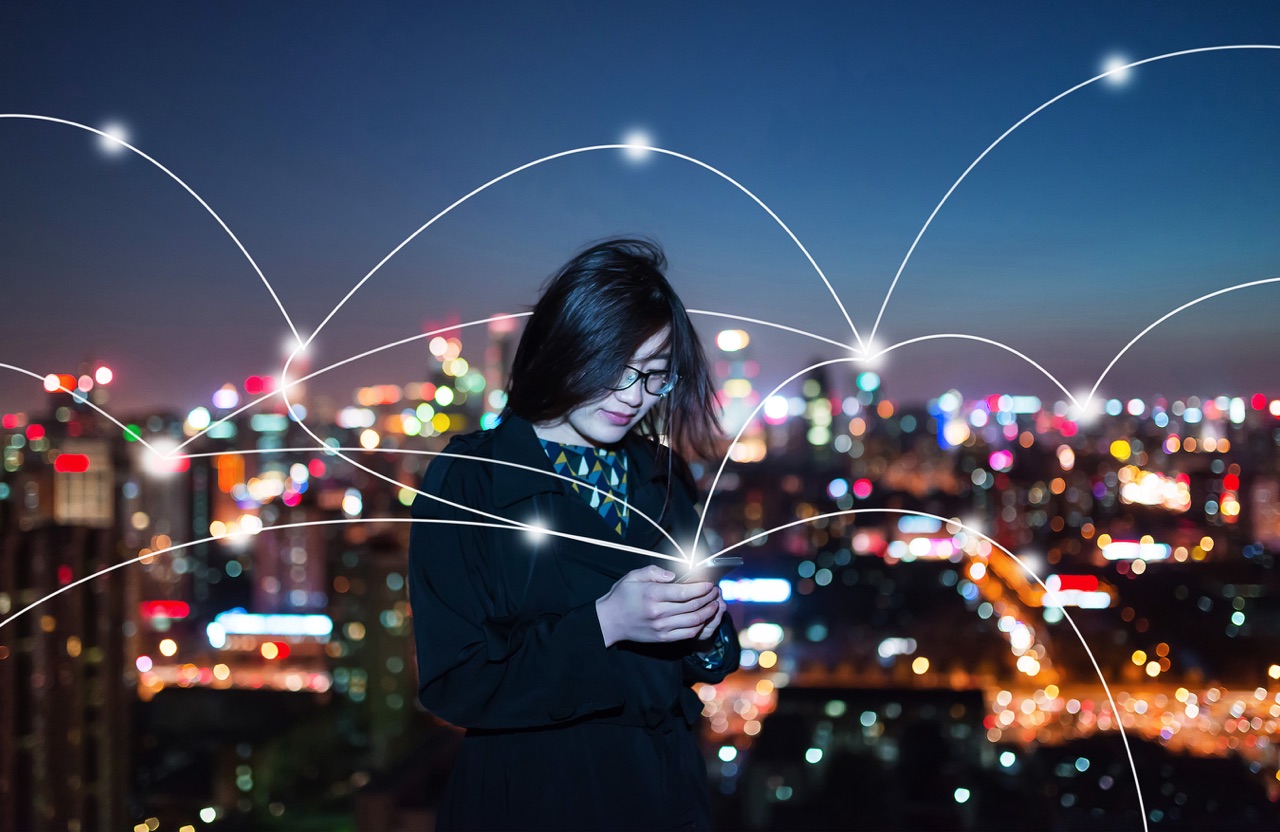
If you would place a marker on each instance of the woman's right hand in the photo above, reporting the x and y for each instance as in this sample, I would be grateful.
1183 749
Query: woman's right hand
644 605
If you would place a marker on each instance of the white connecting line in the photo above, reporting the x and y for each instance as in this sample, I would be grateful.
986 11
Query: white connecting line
863 347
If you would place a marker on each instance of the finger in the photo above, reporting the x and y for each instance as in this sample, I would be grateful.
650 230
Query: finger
667 609
714 623
681 635
684 592
653 573
696 619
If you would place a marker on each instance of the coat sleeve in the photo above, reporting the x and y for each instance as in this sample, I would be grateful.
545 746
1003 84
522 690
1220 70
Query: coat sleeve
716 660
477 669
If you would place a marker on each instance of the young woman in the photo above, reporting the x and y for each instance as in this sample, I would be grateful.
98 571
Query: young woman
568 661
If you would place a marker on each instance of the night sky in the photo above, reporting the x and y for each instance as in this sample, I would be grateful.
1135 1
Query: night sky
326 133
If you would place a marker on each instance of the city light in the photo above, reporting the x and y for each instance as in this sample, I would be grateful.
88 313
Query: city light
755 590
732 340
226 398
762 635
239 622
1135 550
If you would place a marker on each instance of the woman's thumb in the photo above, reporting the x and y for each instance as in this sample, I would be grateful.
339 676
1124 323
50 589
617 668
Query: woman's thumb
657 573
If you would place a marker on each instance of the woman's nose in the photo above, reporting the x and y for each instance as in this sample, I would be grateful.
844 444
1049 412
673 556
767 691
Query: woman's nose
632 396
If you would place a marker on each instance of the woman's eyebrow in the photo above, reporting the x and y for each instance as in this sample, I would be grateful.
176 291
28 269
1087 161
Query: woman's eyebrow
663 356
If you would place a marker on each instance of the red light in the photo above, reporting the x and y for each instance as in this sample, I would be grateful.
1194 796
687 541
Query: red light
253 385
862 488
10 421
316 468
164 609
1231 482
282 649
64 575
71 463
35 431
1083 583
1258 401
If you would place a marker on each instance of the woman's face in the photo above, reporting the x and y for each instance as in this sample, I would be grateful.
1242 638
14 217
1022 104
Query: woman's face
607 420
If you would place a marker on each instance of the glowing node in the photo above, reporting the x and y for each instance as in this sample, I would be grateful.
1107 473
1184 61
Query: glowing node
1120 74
870 358
639 142
296 348
1087 410
111 143
536 532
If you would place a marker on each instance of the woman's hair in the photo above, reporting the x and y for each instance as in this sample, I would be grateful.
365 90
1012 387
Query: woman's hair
592 317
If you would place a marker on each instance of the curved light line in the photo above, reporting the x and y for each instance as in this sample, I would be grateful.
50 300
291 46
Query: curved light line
86 401
416 452
980 339
1022 121
321 445
325 447
951 521
186 188
575 151
337 521
435 332
724 460
831 341
279 390
1169 315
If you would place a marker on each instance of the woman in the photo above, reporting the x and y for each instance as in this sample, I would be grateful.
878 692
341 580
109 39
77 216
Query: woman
568 661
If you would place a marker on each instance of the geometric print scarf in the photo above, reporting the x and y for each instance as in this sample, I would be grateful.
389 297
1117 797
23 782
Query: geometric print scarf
606 470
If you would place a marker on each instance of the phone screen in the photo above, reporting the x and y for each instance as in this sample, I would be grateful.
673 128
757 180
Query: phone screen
713 570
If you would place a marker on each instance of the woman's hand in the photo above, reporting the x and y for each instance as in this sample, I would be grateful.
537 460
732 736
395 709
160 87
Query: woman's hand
709 630
644 605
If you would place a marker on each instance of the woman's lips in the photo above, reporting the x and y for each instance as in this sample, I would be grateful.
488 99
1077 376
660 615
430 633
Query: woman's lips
617 418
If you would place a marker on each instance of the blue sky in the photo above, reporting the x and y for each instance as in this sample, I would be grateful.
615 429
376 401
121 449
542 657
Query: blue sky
325 134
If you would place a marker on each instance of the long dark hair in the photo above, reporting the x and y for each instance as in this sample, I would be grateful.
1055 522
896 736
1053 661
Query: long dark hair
593 315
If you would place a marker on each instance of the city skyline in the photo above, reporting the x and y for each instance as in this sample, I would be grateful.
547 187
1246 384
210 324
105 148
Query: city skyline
1123 201
965 601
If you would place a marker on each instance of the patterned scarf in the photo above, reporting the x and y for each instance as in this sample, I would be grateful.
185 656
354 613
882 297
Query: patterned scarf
606 470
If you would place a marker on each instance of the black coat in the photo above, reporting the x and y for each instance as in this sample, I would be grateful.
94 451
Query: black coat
562 732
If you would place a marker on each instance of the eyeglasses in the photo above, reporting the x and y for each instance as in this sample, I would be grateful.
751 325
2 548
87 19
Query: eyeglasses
656 382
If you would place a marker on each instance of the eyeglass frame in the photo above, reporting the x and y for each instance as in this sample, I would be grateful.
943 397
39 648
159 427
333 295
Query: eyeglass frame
643 378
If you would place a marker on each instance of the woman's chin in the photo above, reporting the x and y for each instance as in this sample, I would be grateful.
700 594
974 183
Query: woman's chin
606 433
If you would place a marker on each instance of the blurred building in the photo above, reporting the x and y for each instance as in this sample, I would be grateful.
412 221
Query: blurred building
66 715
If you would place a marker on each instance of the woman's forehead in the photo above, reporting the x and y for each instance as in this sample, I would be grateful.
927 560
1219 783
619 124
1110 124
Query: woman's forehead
658 345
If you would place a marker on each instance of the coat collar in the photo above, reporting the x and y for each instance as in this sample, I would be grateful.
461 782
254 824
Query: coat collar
515 441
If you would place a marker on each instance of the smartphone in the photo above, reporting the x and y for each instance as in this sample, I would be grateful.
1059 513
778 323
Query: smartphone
712 570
